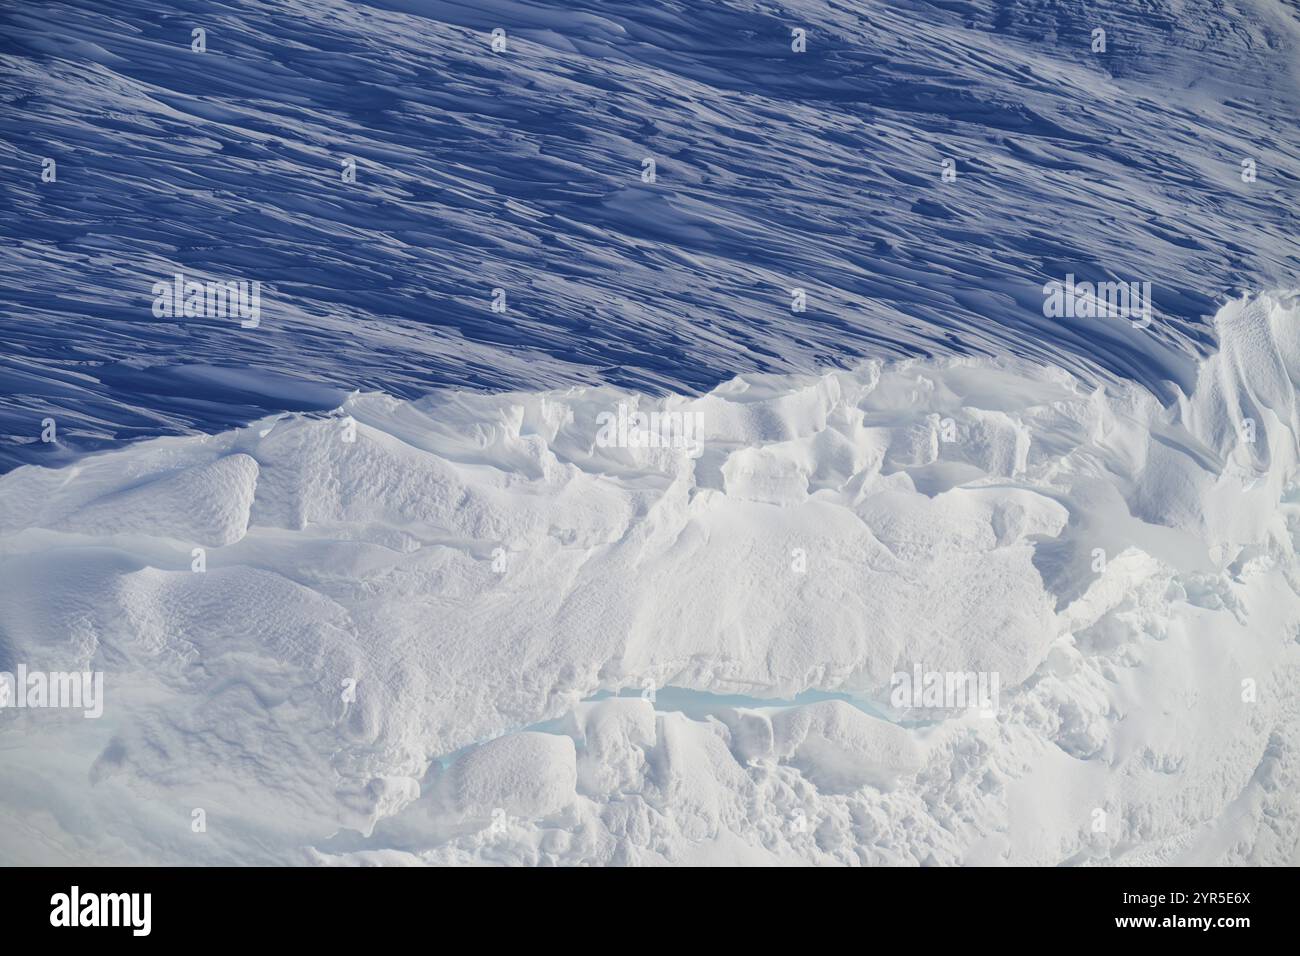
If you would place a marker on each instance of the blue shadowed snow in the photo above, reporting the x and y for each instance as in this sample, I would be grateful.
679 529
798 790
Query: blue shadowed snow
521 170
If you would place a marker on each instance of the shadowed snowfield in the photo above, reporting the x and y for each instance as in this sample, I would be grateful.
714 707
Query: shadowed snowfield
366 582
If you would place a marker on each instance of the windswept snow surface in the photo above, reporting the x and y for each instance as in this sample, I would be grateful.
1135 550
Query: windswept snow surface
437 642
374 579
522 171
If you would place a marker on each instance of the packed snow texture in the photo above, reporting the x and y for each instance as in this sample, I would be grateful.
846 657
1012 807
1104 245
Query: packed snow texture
459 630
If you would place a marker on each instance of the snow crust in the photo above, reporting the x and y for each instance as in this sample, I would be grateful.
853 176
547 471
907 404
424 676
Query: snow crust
402 646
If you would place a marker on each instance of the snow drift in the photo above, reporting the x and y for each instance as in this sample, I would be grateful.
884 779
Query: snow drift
443 630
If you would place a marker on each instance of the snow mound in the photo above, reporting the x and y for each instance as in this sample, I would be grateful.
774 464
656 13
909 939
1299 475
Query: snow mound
208 504
526 774
180 497
840 749
410 614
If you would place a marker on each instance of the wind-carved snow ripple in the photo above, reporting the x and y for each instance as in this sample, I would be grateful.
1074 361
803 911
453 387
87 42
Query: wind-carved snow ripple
522 171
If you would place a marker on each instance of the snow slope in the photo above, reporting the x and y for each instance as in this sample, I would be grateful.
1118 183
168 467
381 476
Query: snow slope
430 631
522 171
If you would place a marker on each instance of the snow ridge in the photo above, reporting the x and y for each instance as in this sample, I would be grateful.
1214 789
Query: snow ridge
410 616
